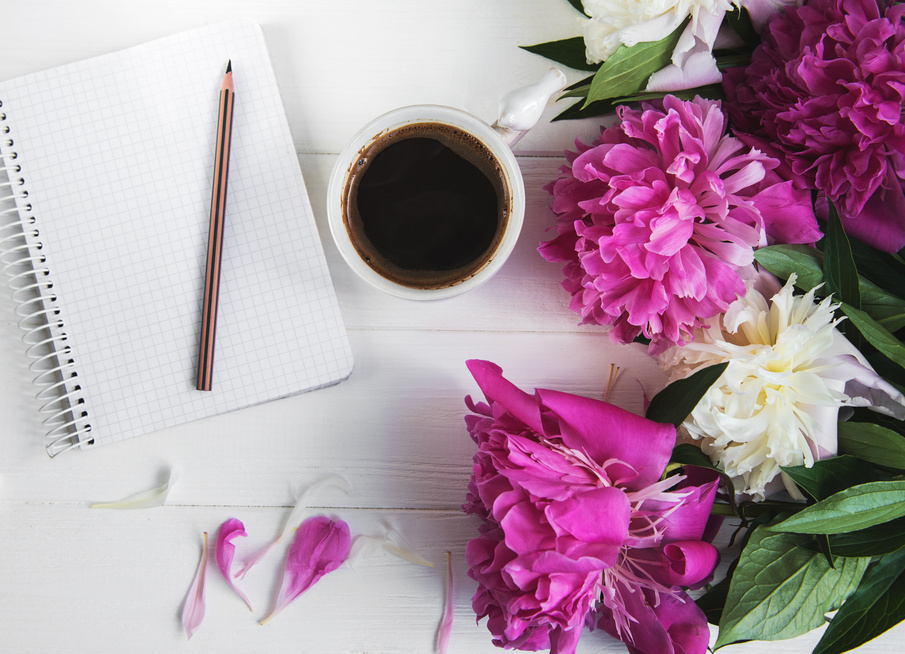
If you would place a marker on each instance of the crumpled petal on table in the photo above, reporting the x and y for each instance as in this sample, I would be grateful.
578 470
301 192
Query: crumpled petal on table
392 542
225 551
295 517
145 499
321 545
193 610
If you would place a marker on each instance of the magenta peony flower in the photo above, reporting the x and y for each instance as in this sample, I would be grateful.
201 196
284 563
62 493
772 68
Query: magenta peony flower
824 92
577 525
657 218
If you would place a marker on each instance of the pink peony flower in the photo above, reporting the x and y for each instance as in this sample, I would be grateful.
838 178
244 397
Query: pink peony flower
658 217
577 524
824 92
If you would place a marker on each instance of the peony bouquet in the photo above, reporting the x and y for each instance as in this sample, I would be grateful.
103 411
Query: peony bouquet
742 214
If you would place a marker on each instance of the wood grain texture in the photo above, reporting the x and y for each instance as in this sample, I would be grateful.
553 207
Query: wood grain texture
73 579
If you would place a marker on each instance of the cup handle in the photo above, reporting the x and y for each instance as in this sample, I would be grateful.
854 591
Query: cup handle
522 108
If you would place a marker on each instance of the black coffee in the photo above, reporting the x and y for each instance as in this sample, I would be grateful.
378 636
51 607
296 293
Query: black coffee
426 205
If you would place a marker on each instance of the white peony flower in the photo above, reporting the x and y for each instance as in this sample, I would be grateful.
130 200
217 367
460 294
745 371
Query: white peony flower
777 402
627 22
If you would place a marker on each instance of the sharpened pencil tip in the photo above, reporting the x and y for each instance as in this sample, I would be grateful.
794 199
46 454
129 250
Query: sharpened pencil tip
229 66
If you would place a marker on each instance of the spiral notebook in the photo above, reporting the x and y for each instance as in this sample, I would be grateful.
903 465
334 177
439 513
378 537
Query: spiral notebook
104 228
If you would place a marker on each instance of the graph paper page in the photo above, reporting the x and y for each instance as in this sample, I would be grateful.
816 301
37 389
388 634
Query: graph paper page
117 154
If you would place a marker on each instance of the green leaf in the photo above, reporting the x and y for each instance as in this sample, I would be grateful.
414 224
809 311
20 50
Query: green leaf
807 262
781 589
740 22
627 70
872 443
877 605
568 52
829 476
873 541
803 260
884 269
578 110
876 334
858 507
676 401
713 602
578 6
838 263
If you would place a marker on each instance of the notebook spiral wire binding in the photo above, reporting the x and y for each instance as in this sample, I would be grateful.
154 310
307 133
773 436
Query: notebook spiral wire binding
29 278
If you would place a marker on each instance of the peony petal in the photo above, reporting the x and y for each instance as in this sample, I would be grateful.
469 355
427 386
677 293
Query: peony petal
145 499
225 551
321 545
445 631
881 223
607 432
193 610
690 562
295 517
490 379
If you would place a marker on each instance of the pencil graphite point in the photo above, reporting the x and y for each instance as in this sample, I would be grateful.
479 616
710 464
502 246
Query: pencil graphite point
229 66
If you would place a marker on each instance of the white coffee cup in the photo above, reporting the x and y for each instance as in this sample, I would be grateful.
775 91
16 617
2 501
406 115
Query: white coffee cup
520 110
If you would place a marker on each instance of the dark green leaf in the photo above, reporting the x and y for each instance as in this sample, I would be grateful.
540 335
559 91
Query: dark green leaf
731 58
823 545
578 6
712 602
676 401
877 605
740 22
829 476
873 541
839 265
713 91
781 589
578 110
884 269
876 334
872 443
864 414
568 52
858 507
807 262
585 82
627 70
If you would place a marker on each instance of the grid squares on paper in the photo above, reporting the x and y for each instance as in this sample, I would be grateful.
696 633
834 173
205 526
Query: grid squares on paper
118 156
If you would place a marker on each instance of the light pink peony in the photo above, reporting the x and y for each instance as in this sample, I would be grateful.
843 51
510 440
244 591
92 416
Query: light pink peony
824 92
578 526
658 217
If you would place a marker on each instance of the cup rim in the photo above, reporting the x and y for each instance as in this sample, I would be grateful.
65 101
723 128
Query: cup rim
393 120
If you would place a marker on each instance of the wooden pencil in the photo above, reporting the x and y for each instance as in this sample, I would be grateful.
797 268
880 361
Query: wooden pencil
215 240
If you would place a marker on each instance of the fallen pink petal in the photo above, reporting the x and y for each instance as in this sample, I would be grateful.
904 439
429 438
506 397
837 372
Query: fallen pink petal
445 631
226 551
193 610
321 545
302 503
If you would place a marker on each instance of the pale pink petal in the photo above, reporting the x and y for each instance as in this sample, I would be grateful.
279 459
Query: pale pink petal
321 545
445 631
193 609
225 551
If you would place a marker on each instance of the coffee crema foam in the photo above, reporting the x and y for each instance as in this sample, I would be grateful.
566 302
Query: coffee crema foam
426 205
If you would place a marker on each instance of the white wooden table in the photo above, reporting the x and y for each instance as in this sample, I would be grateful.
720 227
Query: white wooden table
73 579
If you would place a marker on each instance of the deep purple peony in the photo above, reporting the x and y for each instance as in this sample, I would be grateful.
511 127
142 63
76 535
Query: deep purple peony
659 217
824 93
578 528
